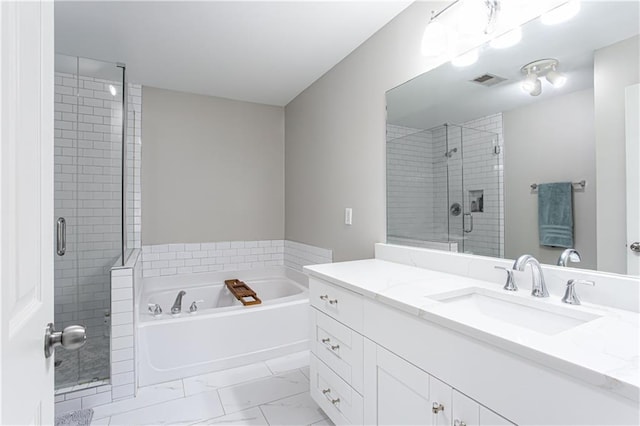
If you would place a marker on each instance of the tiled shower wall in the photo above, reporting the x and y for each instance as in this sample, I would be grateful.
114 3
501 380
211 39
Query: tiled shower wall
88 155
422 182
410 185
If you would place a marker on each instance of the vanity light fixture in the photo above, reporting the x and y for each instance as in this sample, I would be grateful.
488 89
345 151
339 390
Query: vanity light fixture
507 39
541 68
562 13
476 16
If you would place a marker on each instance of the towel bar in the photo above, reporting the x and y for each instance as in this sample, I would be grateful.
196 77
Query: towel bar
582 184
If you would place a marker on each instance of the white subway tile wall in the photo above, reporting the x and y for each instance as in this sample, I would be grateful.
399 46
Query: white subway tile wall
172 259
423 182
297 255
88 195
92 394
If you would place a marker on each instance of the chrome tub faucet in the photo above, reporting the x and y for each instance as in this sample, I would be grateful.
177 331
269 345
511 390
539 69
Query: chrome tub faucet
177 305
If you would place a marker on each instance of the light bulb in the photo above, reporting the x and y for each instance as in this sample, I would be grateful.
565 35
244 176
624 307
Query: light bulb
561 13
472 17
466 59
112 90
434 40
532 85
556 79
509 39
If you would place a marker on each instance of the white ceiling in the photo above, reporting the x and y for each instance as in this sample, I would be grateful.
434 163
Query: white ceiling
261 51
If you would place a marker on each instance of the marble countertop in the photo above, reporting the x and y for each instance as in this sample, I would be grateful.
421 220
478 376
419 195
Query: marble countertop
604 351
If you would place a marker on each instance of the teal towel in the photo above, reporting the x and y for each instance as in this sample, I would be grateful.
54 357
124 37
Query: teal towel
555 214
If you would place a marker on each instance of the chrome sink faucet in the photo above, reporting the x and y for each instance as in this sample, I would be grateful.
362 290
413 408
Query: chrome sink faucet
177 305
539 287
569 254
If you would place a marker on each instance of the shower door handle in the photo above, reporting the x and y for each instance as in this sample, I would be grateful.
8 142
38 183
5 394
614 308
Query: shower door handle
464 223
61 245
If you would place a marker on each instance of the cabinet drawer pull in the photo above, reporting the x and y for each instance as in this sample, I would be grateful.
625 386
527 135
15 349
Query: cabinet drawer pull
333 302
326 391
327 340
437 407
335 347
324 297
457 422
337 401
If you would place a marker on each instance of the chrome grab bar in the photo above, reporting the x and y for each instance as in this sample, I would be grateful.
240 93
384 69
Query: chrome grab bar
464 225
61 245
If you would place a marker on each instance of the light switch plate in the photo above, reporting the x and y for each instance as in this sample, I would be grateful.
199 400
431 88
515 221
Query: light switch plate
348 216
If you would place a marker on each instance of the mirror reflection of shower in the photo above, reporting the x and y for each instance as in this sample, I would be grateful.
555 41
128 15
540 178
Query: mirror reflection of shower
450 153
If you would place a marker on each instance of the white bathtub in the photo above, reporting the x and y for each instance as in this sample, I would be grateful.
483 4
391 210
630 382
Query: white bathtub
222 333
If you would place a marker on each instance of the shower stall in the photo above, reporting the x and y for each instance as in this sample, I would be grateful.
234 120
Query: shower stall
444 188
95 200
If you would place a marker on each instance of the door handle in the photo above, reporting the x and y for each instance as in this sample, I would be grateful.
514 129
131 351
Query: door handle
464 223
635 247
71 338
61 245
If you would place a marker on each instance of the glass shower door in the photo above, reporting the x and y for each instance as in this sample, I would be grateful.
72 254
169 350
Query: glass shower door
88 209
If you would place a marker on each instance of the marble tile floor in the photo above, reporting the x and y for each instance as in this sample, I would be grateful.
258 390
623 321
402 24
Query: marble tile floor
275 392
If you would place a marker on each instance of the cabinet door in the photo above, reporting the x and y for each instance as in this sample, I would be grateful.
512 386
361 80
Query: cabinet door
466 412
489 418
397 392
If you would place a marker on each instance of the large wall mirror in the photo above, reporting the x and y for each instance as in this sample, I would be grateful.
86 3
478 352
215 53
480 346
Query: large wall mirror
468 147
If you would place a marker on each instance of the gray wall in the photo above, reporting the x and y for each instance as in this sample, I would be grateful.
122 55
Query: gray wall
335 136
616 67
213 169
549 141
335 140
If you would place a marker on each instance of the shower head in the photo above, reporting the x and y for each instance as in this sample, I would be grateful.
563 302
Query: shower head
449 153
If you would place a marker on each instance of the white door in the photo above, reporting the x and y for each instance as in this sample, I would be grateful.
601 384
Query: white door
26 211
632 124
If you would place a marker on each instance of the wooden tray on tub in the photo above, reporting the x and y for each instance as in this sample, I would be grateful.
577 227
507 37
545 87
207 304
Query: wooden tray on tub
243 292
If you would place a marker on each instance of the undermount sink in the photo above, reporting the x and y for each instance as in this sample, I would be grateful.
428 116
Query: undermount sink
530 314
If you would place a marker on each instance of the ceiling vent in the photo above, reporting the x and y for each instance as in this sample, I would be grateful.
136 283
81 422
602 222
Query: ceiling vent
488 80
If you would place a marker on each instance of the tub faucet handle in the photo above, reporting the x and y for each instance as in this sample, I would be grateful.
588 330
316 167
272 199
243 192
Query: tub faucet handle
194 307
155 309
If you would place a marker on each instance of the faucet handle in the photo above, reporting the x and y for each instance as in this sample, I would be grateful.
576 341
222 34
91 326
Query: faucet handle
194 307
510 284
155 309
570 295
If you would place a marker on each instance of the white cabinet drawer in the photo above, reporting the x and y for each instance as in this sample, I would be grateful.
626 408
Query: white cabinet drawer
339 347
338 303
338 400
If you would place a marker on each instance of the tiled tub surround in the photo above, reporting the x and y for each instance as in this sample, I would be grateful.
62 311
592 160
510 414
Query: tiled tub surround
172 259
422 182
118 350
222 333
596 363
88 153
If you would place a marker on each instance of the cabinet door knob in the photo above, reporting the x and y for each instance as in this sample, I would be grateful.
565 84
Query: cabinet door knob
437 407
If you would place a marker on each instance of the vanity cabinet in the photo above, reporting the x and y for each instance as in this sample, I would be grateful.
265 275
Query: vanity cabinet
356 381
